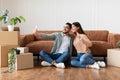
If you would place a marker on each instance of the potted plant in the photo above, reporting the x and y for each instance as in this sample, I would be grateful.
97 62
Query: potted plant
118 44
12 59
10 21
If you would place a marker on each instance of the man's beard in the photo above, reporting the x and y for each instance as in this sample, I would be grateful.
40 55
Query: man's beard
65 32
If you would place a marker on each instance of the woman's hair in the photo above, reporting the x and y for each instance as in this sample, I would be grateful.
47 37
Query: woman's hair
80 30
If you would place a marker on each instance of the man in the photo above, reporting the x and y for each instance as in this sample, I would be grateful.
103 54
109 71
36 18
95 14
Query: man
61 49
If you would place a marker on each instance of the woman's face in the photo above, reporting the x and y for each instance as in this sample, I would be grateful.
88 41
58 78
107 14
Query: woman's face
74 29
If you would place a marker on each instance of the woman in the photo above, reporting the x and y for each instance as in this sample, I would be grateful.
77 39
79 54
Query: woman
81 43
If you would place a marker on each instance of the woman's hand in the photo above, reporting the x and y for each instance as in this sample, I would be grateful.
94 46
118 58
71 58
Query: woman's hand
72 34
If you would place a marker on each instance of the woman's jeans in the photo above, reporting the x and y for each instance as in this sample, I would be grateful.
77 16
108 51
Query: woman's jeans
58 57
82 60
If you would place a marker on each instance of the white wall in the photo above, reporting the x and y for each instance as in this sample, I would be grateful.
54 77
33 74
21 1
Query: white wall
108 15
52 14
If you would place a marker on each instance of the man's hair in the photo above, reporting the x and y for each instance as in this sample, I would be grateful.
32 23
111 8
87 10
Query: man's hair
69 24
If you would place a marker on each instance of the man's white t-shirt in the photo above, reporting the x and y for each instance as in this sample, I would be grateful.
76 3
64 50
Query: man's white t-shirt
64 45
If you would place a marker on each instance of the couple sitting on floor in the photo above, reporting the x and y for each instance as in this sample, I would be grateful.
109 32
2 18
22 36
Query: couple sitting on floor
62 48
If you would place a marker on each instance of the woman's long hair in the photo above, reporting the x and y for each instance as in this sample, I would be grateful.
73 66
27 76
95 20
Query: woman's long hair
80 30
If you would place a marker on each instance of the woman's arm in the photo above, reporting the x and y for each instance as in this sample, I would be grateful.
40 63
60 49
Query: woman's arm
86 41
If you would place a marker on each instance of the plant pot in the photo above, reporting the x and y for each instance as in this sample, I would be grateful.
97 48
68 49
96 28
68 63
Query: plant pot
10 27
17 51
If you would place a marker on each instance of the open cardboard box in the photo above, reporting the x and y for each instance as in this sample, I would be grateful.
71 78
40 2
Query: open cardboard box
23 49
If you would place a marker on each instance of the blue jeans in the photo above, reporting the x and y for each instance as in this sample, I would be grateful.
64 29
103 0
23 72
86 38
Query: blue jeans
58 57
82 60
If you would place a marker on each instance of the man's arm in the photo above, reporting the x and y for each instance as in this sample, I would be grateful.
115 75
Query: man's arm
48 36
45 36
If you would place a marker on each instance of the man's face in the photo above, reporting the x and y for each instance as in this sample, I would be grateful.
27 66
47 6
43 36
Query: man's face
66 29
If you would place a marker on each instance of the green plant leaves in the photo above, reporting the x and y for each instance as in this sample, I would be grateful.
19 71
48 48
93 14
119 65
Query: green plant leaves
4 19
5 12
12 21
19 20
12 60
1 17
22 18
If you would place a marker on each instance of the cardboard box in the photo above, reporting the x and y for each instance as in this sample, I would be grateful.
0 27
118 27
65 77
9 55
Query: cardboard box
9 37
113 56
4 50
6 28
23 49
24 61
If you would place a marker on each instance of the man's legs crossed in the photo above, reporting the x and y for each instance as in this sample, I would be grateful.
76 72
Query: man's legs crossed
55 59
63 57
46 56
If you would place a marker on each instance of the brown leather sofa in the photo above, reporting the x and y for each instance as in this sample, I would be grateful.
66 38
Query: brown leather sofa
101 39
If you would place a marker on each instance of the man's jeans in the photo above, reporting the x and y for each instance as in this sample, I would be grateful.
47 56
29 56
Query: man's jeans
82 60
58 57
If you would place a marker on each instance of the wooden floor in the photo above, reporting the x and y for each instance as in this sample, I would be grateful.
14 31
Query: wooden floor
70 73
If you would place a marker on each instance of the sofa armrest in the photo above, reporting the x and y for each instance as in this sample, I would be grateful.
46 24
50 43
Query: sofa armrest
25 39
113 39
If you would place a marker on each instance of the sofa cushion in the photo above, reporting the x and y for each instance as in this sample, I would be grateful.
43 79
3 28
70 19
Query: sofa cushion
97 35
99 48
37 46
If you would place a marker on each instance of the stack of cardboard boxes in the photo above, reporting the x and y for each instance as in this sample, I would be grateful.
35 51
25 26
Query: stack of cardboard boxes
8 40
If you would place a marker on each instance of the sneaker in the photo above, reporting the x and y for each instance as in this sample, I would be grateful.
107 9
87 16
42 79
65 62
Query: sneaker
60 65
45 63
101 63
95 66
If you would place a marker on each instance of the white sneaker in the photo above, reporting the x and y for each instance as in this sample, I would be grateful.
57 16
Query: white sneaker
95 66
101 63
45 63
60 65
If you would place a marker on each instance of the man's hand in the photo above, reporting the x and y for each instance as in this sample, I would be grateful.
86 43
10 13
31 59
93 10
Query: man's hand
36 32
